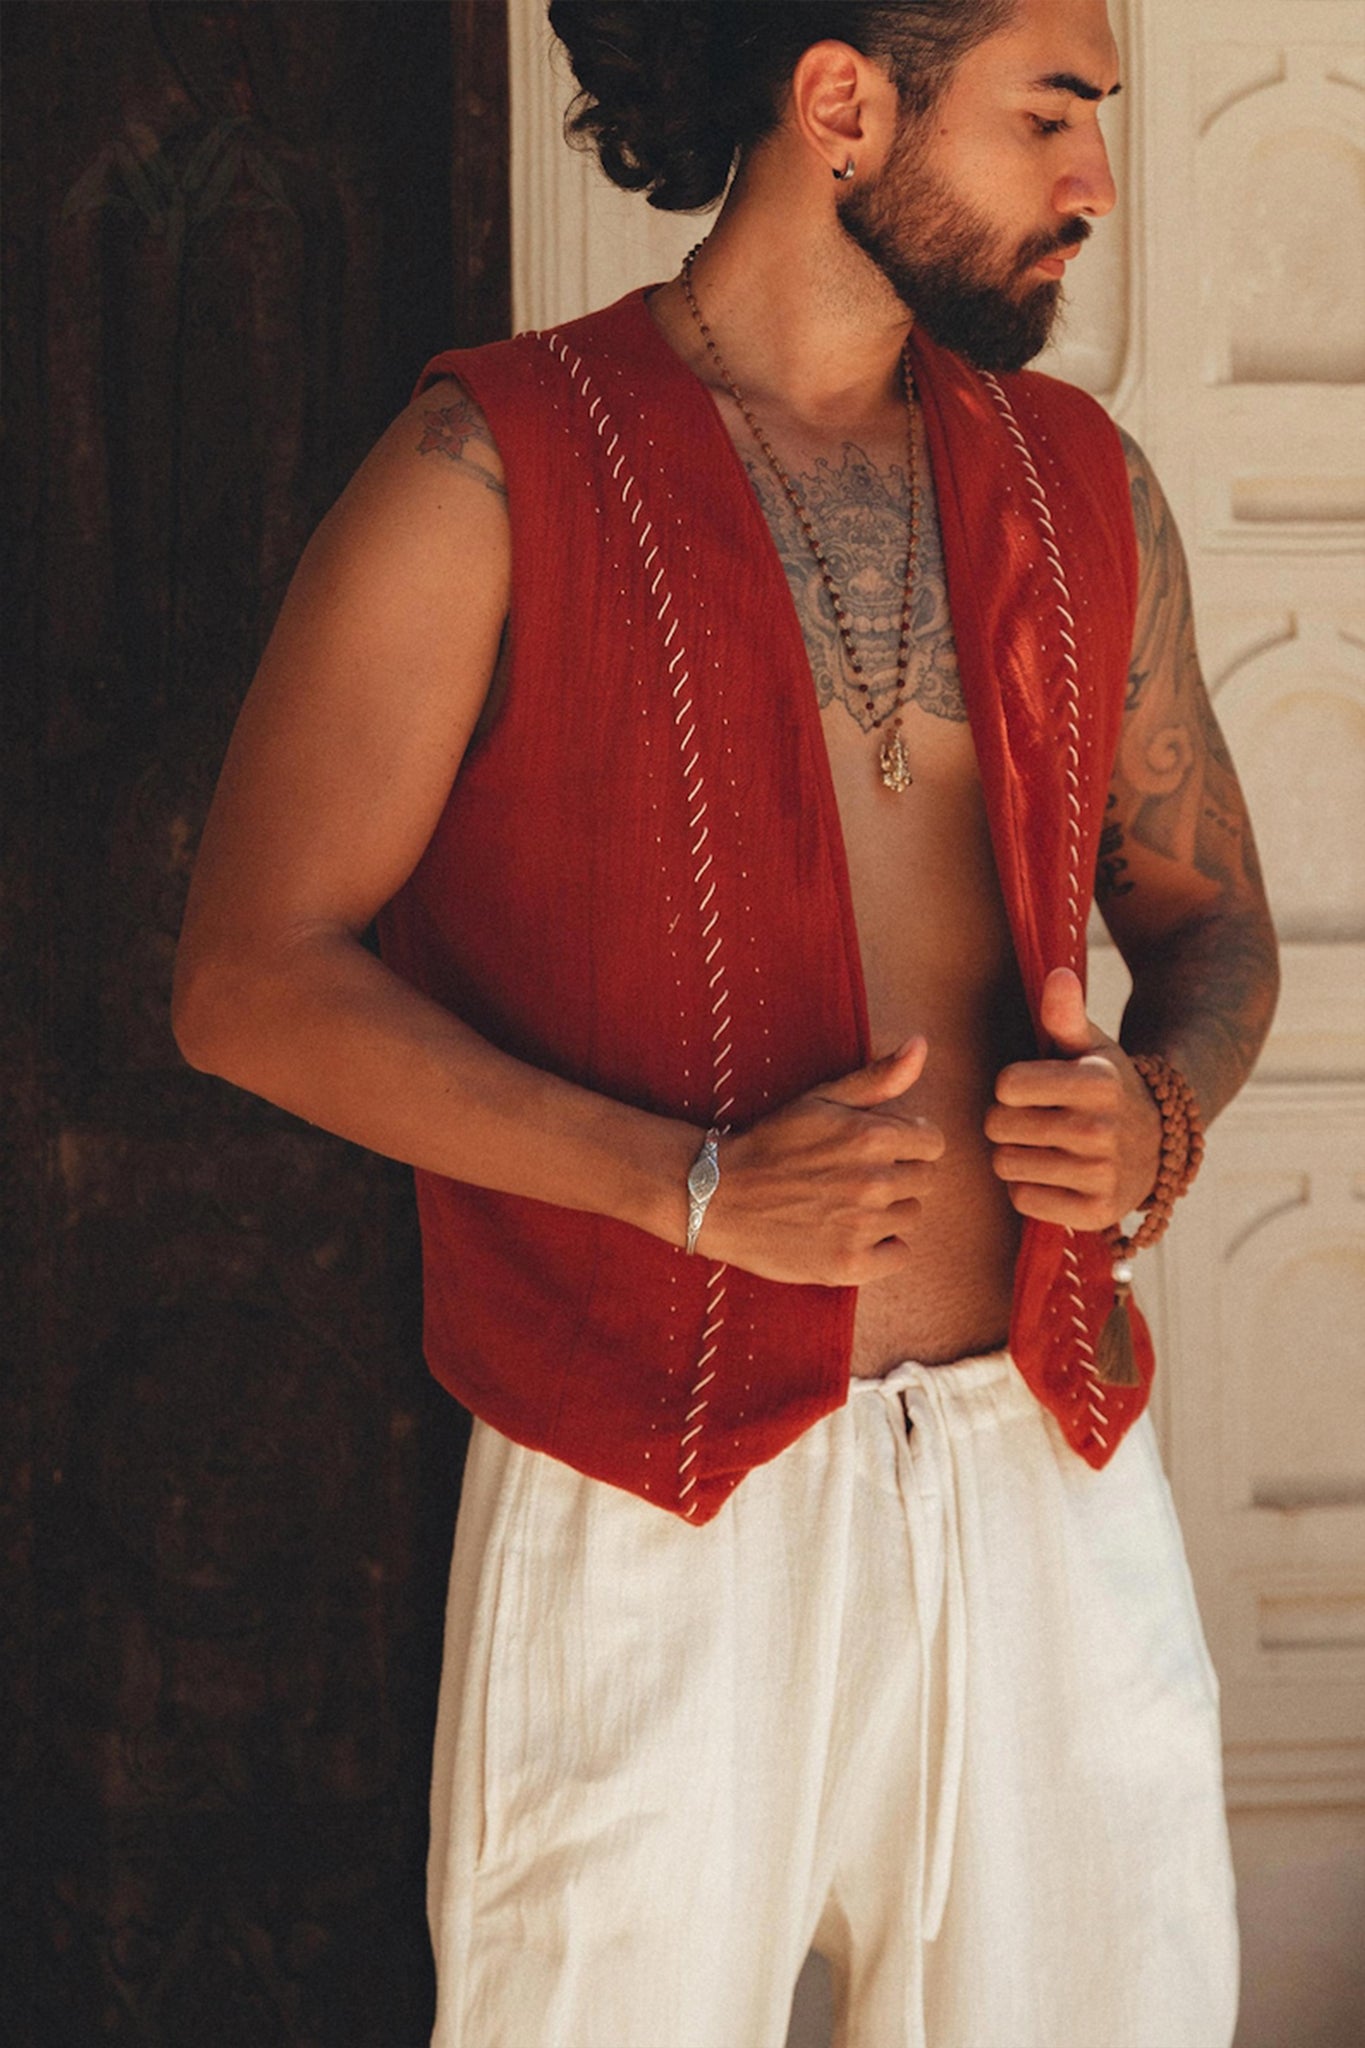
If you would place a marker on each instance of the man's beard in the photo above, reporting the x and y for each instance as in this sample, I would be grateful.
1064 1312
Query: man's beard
940 258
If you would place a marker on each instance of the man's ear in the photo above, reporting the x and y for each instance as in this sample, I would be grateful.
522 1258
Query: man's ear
843 107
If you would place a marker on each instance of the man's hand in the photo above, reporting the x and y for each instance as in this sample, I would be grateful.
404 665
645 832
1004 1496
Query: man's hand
826 1189
1077 1138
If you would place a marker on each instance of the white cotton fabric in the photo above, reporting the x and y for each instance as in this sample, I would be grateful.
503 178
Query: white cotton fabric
928 1693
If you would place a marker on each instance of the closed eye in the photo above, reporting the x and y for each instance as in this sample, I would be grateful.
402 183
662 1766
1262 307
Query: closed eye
1042 127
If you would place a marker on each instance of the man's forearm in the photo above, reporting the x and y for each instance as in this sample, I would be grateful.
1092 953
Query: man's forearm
821 1191
328 1032
1204 999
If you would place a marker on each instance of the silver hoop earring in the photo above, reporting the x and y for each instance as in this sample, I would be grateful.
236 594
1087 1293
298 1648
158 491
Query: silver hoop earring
845 174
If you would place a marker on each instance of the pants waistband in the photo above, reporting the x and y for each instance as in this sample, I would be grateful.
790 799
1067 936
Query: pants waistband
958 1376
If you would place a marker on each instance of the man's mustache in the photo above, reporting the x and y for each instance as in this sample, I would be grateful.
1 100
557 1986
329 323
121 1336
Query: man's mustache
1042 246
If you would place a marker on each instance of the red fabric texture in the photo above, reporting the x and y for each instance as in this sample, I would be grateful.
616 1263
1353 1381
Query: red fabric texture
639 883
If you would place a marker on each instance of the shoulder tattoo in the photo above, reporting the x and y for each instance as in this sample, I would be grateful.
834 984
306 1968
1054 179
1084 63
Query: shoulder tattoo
459 432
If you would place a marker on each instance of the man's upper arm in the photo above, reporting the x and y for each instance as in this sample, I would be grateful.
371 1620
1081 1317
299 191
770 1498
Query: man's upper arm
1176 844
369 690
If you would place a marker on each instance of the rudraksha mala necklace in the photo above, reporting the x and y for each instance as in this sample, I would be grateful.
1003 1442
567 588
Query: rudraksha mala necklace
1182 1150
893 757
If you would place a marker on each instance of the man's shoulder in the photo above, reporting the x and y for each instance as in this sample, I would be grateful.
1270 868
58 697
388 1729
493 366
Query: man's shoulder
490 359
519 362
1082 435
1049 395
620 321
1035 394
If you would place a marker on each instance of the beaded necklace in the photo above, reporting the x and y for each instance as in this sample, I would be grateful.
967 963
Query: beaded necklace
893 757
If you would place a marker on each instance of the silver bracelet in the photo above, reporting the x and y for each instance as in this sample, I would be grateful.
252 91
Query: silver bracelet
702 1181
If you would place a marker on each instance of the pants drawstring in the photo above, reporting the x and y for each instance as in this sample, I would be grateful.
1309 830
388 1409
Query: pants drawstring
929 1496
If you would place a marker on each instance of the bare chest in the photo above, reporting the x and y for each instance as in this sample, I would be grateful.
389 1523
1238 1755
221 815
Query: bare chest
926 899
936 951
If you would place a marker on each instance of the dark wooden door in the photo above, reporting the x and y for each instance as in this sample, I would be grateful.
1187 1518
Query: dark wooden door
230 244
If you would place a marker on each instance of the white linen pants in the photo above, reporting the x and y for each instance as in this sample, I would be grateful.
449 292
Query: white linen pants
928 1693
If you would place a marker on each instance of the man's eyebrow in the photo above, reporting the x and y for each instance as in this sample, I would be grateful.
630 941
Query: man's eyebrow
1067 81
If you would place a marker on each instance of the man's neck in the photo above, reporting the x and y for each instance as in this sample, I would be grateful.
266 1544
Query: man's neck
804 323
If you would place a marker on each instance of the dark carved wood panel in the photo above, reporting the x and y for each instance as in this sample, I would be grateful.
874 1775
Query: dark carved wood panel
229 1485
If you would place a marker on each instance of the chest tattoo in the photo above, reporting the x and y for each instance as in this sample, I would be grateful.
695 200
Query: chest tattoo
861 513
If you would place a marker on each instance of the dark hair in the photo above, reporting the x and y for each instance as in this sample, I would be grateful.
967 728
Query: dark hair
673 91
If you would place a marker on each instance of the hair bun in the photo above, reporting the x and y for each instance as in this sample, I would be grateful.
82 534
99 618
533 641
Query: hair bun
651 101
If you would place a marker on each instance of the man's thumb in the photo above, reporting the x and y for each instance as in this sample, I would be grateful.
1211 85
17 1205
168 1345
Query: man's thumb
1063 1015
881 1080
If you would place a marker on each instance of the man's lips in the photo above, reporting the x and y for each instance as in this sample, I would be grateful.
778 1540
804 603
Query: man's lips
1055 262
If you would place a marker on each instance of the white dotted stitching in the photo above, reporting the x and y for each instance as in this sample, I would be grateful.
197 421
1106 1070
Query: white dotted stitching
1071 684
685 727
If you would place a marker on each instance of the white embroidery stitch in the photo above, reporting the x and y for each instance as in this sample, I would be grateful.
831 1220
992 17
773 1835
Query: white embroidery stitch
685 727
1072 688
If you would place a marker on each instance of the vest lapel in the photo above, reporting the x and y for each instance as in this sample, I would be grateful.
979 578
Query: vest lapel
994 568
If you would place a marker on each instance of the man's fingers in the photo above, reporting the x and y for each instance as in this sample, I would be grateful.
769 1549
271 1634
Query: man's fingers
926 1143
1064 1130
886 1138
1060 1205
880 1080
1029 1165
905 1181
890 1254
1055 1084
828 1187
1062 1014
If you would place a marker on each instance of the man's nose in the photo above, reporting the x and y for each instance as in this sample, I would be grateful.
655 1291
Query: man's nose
1088 185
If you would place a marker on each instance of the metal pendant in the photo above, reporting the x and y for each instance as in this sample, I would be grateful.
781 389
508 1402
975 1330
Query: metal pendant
895 764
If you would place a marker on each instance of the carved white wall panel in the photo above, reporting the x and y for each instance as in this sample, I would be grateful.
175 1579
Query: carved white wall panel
1294 1317
1230 72
1282 469
1241 98
1282 173
1265 1285
1280 182
1319 1032
1294 717
1251 118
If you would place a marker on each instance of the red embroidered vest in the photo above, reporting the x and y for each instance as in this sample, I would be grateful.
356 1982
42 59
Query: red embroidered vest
639 879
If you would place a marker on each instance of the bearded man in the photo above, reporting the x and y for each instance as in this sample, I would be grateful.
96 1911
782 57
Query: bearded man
729 702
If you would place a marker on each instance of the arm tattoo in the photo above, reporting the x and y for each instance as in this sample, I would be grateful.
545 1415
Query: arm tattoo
1210 1001
456 431
1184 801
862 515
1112 867
1178 878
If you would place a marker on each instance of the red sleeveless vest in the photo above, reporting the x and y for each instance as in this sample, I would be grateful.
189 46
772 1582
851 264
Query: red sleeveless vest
639 879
